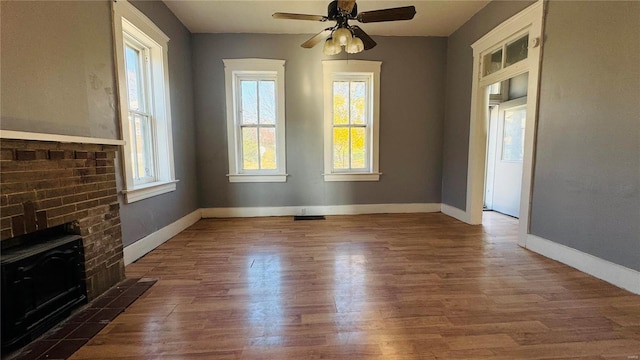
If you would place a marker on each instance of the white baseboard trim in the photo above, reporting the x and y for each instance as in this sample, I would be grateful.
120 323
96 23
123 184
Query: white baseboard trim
456 213
141 247
615 274
319 210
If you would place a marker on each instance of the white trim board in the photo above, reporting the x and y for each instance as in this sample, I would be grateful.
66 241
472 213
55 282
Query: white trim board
25 135
612 273
148 243
320 210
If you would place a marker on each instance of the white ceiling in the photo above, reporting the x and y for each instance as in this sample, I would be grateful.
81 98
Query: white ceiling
433 18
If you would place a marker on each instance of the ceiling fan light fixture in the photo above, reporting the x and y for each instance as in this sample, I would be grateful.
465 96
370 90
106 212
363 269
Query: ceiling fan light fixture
342 36
355 45
353 38
331 48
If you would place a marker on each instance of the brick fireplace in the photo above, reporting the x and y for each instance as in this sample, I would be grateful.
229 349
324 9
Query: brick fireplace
47 184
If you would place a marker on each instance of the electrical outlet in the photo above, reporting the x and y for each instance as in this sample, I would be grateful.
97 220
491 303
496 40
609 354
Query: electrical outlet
303 211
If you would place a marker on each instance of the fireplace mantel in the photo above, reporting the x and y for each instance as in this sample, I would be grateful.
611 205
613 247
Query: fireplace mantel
24 135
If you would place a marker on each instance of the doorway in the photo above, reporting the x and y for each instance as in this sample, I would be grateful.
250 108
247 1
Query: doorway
511 49
505 145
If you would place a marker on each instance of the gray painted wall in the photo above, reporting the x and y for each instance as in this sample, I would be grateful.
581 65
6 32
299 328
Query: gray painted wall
458 96
58 76
586 190
411 113
57 70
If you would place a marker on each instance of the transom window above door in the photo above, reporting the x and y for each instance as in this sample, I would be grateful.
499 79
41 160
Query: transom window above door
506 55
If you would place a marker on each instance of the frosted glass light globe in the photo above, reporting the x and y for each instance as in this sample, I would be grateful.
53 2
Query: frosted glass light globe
331 48
355 45
342 36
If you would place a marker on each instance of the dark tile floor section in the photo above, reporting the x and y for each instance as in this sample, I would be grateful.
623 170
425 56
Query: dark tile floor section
66 338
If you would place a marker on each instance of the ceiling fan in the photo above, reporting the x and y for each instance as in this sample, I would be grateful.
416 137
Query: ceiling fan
352 37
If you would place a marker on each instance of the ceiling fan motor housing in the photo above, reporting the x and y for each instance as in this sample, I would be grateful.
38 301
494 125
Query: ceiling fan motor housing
333 13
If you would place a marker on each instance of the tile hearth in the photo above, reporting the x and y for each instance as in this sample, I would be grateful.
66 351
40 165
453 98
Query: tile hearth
66 338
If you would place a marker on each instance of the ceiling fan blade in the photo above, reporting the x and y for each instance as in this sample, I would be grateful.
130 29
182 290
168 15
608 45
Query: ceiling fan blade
290 16
400 13
316 39
366 39
346 6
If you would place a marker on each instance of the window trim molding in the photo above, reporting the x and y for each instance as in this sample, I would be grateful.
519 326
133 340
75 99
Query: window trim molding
127 18
372 68
234 68
148 190
245 178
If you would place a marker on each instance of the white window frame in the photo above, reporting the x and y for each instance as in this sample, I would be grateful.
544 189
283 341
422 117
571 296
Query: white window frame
336 70
131 23
254 69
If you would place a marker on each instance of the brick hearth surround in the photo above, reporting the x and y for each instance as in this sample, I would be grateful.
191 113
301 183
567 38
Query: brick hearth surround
45 184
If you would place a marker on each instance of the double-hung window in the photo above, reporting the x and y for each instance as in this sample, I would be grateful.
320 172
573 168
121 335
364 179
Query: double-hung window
255 120
141 127
143 84
351 117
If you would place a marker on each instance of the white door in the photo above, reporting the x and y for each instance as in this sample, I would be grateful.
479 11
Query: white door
509 155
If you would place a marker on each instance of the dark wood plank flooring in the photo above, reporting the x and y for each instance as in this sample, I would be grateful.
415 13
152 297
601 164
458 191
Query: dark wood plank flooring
402 286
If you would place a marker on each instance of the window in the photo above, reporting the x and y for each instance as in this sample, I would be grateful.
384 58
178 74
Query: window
506 55
255 120
513 134
351 118
143 83
498 92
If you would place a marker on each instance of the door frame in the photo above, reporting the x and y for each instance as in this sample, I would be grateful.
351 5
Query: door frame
529 20
490 165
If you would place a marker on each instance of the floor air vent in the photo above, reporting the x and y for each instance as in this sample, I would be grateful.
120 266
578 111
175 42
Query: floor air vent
308 217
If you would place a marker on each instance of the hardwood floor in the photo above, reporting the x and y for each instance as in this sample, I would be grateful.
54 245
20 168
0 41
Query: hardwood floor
404 286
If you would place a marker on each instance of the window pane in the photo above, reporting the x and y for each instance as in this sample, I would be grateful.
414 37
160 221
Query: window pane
341 148
142 145
249 95
517 50
267 102
493 62
146 138
358 148
250 148
358 102
134 78
268 148
494 89
134 145
513 142
340 102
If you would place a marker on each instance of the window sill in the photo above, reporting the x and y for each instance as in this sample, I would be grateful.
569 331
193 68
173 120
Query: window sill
146 191
352 177
262 178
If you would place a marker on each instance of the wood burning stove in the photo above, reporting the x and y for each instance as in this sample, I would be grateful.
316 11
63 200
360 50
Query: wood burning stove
42 281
